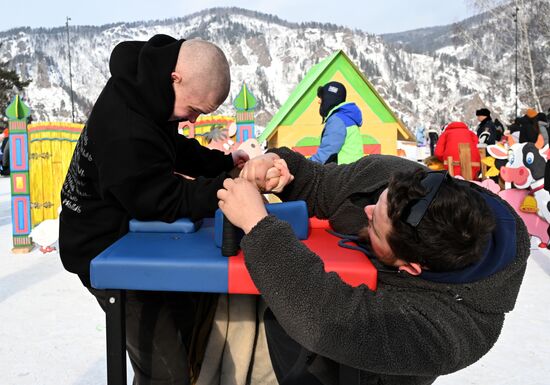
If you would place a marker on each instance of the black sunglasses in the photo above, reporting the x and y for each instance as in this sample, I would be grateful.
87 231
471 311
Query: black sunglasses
431 182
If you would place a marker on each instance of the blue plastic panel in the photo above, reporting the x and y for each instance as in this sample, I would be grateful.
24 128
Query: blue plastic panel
163 261
182 225
295 213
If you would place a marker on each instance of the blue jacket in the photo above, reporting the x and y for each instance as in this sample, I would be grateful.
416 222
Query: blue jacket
341 140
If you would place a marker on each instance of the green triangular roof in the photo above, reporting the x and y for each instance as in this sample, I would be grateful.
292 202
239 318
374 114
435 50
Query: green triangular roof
17 110
318 75
244 101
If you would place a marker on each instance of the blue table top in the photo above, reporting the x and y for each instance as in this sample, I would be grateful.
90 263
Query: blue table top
164 262
155 258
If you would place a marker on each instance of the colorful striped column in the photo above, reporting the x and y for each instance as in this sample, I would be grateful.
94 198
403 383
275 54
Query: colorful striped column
17 113
244 103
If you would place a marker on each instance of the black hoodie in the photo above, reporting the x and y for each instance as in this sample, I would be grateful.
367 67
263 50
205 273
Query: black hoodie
124 162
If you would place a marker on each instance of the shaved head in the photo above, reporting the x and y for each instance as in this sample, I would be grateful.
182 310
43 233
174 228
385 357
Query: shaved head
204 69
201 80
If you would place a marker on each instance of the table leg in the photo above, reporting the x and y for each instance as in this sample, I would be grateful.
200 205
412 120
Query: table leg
116 337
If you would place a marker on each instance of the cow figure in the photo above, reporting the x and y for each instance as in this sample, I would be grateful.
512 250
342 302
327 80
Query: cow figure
525 169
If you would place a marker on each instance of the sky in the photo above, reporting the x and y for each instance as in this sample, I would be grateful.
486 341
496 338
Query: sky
374 16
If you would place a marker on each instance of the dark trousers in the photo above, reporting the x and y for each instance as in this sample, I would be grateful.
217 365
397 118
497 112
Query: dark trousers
289 359
433 141
5 157
161 333
295 365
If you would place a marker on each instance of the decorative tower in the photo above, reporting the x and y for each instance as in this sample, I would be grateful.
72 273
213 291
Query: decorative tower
244 104
17 113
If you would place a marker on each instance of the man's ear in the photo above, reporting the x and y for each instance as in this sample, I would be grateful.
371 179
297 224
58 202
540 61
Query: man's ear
411 268
176 77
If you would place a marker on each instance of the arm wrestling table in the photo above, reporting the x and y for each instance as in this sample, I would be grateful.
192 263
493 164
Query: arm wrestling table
181 257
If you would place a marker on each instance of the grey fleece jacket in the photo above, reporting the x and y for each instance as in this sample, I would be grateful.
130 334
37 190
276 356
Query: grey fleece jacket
409 331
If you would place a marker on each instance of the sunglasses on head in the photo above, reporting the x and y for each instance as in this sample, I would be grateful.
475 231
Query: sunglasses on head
418 208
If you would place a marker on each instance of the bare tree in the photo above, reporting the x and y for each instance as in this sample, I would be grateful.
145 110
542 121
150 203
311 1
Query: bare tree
532 39
524 27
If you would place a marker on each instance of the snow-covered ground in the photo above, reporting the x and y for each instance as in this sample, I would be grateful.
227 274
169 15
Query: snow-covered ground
52 332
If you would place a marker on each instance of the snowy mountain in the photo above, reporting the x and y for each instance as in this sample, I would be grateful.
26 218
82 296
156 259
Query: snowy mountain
487 42
270 54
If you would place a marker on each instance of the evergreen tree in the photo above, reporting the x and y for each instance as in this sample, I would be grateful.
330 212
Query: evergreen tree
10 84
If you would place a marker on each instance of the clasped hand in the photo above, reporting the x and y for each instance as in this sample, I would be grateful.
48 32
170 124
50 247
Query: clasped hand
268 172
240 199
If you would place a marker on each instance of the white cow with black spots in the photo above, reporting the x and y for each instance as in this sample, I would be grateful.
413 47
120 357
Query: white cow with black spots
525 169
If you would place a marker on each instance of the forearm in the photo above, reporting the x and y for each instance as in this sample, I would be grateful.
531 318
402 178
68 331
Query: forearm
326 187
167 197
195 160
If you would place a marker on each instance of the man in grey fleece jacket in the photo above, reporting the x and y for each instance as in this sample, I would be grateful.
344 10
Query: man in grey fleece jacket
433 313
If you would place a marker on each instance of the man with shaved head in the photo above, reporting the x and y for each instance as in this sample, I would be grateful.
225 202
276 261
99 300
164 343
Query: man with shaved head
127 164
201 80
